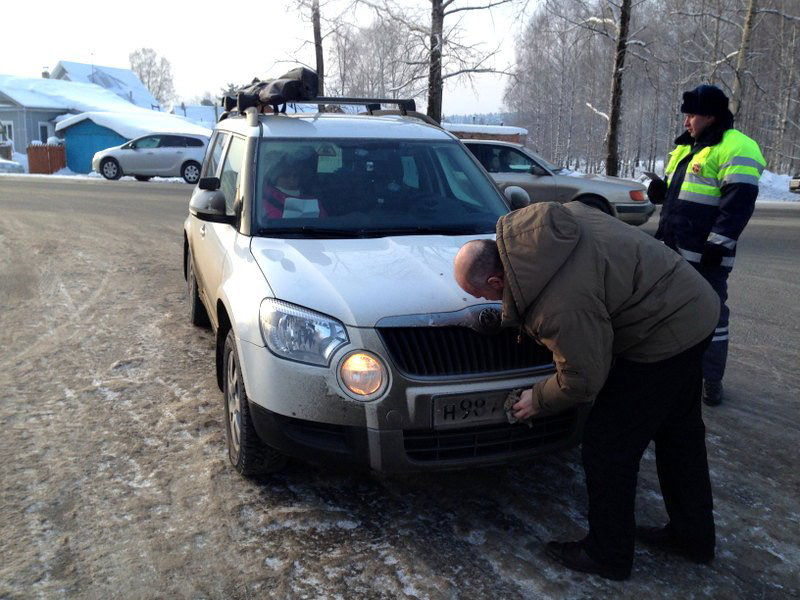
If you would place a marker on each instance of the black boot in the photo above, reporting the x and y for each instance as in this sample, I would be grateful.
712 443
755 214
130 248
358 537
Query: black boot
663 539
573 556
712 392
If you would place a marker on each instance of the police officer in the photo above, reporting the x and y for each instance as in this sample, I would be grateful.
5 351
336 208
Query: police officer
709 193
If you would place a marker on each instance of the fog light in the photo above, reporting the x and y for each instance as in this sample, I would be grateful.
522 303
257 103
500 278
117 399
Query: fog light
362 374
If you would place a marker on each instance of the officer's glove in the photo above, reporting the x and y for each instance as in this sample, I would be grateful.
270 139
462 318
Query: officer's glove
657 190
712 255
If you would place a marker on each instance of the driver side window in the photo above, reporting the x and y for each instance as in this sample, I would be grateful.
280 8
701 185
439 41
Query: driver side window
151 141
230 177
509 160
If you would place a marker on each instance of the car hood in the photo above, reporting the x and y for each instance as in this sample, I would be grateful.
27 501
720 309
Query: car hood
360 281
627 183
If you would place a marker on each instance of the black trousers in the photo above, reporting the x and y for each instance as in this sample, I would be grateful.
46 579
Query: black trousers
641 402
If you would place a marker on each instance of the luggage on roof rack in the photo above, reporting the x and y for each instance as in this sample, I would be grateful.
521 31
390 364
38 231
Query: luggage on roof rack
298 86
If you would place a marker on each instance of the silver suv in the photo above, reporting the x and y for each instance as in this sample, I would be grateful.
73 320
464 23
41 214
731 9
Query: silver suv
320 249
512 164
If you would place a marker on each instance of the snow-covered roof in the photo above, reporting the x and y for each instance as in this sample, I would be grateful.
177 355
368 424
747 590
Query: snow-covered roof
123 82
57 94
487 129
136 122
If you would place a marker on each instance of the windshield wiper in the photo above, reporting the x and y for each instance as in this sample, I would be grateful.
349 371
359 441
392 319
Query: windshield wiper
431 230
309 231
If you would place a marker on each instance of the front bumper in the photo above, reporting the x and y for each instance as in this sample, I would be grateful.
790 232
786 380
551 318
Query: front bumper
635 214
96 163
301 411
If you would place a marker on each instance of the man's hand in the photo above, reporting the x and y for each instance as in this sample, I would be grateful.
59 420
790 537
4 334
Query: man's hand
657 190
525 407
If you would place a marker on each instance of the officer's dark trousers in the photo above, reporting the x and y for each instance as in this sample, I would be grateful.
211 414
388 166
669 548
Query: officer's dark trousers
641 402
717 353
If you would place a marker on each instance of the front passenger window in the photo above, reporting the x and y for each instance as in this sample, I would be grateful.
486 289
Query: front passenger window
231 172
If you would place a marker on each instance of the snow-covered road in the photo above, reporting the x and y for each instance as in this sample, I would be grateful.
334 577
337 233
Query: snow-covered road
114 481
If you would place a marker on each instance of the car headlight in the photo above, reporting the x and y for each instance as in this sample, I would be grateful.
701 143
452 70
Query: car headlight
363 375
299 334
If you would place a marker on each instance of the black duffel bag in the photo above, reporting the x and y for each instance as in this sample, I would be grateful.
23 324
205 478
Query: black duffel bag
297 85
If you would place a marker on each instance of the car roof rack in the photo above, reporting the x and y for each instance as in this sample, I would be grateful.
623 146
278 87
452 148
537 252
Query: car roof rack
405 106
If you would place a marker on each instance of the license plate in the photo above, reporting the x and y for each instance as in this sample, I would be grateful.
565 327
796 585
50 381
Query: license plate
465 411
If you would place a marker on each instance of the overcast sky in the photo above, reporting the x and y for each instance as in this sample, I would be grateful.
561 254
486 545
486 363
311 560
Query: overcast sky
210 46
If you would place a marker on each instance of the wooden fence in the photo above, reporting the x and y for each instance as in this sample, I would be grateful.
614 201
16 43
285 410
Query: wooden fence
46 159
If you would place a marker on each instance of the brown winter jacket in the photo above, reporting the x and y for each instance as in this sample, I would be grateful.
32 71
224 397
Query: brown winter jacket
591 288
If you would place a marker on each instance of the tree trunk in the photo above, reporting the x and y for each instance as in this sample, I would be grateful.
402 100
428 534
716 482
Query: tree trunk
435 69
741 59
315 21
612 137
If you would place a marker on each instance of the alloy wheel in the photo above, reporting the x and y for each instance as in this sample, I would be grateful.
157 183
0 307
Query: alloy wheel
234 404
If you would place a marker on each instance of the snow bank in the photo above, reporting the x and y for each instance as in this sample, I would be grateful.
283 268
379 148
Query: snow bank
22 159
487 129
775 188
10 166
136 122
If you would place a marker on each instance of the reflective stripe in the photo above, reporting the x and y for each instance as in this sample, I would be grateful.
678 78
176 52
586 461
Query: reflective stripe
689 255
712 181
720 338
743 161
721 240
721 330
698 198
695 257
740 178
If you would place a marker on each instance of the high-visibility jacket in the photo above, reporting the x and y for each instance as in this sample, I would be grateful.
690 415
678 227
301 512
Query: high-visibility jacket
711 194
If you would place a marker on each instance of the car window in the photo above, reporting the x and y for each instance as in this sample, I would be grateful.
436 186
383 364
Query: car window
370 186
214 157
151 141
231 170
193 142
172 141
508 160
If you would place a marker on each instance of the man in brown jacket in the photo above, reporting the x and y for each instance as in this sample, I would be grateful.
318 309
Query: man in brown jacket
627 320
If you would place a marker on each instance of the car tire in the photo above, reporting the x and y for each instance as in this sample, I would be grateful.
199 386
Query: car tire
597 202
197 312
190 171
110 169
246 452
143 177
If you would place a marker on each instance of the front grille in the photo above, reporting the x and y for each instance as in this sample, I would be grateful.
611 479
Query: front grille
488 440
437 351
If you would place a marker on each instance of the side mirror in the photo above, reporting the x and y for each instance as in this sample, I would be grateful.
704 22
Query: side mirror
517 197
538 171
209 205
209 183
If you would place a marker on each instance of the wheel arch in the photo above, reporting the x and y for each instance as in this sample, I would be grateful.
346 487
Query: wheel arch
590 198
223 327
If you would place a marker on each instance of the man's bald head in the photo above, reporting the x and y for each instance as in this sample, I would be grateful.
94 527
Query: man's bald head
479 270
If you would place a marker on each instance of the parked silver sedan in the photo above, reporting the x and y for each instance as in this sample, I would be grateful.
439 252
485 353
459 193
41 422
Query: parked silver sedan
512 164
154 155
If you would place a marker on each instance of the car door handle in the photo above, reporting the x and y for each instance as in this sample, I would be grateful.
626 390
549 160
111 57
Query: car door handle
203 230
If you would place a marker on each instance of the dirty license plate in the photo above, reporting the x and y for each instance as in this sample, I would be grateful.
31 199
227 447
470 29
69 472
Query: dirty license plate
474 409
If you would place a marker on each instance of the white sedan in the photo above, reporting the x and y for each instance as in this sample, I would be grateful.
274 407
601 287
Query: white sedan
154 155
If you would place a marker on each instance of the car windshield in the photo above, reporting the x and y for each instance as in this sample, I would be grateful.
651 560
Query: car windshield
362 188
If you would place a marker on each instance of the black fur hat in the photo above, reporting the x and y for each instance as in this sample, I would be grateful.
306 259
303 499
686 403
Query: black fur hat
707 100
